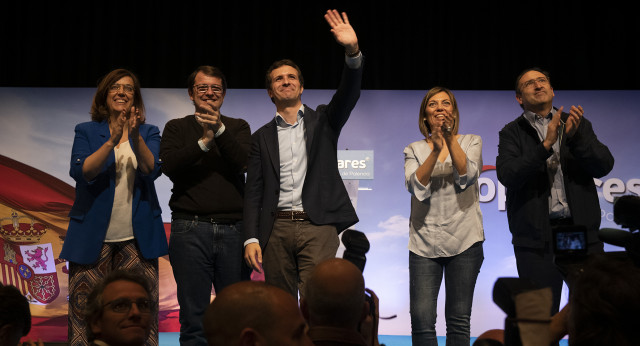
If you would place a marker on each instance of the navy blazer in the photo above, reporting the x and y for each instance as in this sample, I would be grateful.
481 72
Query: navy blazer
521 167
324 196
91 211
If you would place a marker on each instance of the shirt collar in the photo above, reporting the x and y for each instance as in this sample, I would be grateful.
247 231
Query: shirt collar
532 117
281 122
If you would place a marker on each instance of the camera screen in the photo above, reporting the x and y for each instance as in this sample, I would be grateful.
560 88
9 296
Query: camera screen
571 241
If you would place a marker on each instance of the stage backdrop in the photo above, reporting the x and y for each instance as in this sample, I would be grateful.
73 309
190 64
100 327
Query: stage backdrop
36 134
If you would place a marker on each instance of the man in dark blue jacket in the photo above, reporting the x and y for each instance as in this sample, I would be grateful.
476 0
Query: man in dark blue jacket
295 200
547 160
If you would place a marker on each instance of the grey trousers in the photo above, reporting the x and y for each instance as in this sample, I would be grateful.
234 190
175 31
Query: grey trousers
294 249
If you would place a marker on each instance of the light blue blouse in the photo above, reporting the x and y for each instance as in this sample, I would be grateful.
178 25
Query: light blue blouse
445 214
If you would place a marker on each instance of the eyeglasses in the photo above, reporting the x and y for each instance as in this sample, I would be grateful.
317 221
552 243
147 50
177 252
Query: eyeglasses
123 305
203 88
540 80
127 88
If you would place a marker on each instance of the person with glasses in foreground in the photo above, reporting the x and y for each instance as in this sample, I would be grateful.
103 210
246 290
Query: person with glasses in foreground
115 221
205 156
120 310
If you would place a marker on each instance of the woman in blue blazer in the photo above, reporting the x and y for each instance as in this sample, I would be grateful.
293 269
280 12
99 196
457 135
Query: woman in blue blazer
115 221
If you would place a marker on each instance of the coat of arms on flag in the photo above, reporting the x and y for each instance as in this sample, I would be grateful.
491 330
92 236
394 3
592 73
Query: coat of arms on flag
26 263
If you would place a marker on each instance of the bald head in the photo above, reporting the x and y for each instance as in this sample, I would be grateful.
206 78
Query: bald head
250 311
335 295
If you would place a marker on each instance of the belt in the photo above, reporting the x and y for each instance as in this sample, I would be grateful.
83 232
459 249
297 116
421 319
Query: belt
204 218
293 215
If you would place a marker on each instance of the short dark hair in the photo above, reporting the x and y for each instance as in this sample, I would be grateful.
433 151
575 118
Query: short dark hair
335 294
425 129
537 69
95 304
278 64
245 304
211 71
99 111
14 309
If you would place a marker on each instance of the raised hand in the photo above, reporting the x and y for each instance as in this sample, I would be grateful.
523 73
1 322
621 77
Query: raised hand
342 31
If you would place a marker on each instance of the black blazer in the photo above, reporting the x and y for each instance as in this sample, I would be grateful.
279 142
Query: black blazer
324 195
521 168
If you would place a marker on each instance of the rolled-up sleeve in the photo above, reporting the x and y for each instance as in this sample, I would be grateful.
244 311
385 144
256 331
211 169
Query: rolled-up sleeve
473 150
152 140
79 153
413 185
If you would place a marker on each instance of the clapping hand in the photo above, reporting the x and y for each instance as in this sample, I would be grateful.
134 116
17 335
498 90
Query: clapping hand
573 121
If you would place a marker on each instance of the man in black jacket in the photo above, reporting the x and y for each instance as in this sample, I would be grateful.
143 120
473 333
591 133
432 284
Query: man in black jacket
205 156
296 202
547 160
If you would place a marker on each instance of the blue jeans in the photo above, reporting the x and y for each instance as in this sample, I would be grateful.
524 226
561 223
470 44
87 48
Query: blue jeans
425 277
203 254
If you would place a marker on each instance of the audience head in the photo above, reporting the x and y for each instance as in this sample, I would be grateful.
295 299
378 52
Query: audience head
15 317
492 337
255 313
335 295
119 309
604 303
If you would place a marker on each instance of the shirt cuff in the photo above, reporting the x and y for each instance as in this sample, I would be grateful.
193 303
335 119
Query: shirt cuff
220 131
250 241
354 62
202 145
421 192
